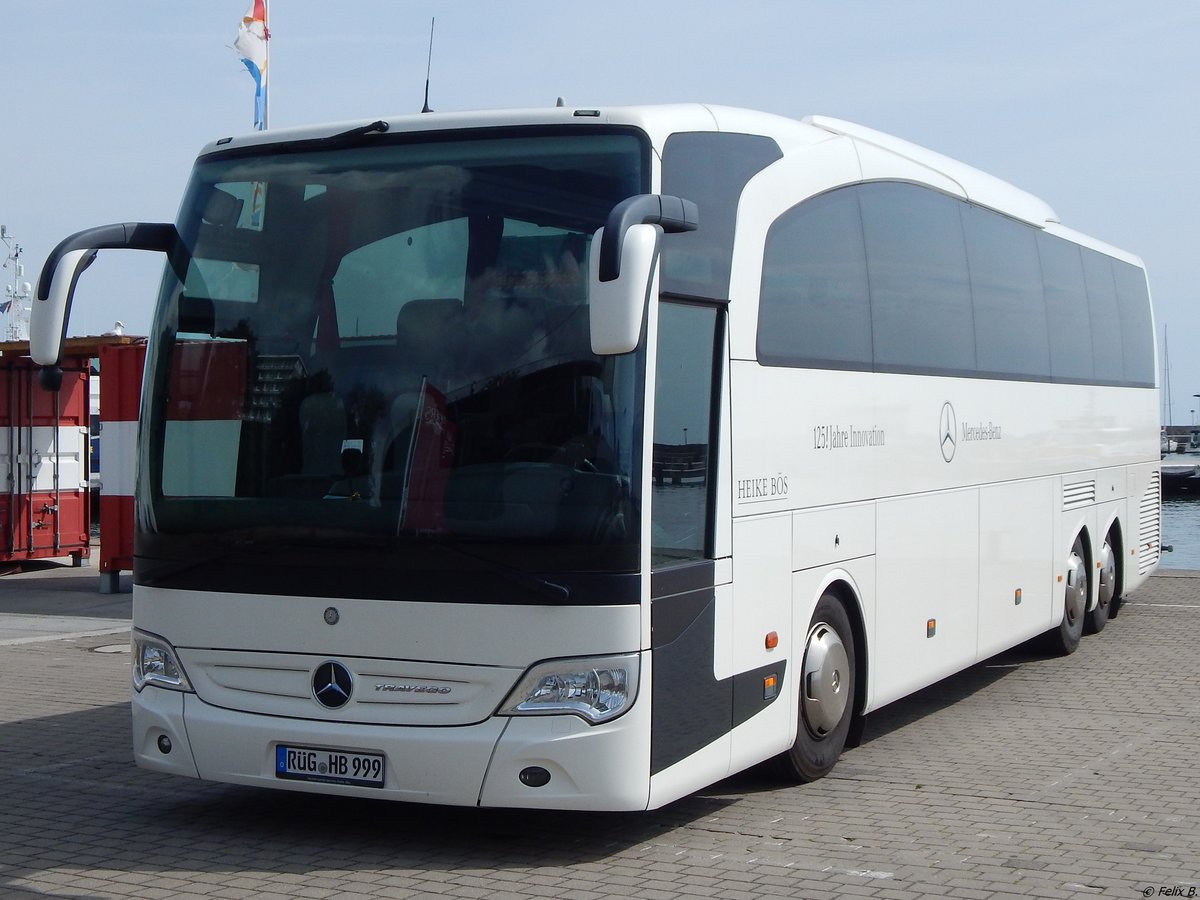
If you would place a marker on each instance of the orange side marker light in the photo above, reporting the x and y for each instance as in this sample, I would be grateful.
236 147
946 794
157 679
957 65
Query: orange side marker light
770 687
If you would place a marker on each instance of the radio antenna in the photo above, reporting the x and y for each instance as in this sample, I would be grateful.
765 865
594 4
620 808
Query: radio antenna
429 65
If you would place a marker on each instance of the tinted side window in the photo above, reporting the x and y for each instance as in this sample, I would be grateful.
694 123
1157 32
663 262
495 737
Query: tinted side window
920 294
710 169
1137 335
815 309
1006 287
893 277
1066 310
1107 352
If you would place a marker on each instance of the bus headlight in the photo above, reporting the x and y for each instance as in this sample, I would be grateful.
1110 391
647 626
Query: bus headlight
597 689
155 662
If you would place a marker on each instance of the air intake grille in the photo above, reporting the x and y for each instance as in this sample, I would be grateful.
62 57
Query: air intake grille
1150 526
1081 493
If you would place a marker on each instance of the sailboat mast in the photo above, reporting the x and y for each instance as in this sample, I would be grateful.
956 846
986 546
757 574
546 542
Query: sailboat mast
1167 415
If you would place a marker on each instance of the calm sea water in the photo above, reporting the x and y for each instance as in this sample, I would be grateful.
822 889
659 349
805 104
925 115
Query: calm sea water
1181 521
1181 528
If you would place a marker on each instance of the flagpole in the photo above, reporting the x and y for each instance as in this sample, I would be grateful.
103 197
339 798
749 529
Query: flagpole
267 65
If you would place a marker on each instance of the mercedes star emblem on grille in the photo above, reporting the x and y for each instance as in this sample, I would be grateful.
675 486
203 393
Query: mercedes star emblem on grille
332 685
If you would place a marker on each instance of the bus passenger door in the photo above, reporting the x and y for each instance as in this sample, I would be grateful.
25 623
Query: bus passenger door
692 707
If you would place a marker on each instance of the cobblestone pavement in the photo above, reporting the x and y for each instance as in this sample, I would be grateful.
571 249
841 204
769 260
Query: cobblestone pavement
1024 776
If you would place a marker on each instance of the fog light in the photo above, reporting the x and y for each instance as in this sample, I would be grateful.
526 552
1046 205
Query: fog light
164 744
534 776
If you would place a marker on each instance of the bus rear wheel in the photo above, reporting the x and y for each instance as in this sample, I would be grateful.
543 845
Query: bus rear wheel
827 686
1107 570
1065 638
1106 591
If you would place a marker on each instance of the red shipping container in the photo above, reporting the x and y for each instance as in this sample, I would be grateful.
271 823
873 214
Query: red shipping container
45 501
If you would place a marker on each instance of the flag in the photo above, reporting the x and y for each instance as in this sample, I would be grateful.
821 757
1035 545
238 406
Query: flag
251 43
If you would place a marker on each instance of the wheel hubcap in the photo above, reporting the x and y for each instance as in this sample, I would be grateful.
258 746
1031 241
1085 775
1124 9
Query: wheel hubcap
826 669
1108 575
1076 589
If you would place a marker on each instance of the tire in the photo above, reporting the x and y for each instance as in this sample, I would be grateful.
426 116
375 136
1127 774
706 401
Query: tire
1076 589
1106 590
827 687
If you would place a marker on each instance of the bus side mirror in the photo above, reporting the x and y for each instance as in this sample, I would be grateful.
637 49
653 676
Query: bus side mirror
621 266
48 318
56 286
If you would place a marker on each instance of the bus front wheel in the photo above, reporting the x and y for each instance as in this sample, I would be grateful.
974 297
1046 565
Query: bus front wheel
827 683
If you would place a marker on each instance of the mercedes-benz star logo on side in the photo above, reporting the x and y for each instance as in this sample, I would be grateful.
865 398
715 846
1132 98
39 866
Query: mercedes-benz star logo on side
946 430
332 685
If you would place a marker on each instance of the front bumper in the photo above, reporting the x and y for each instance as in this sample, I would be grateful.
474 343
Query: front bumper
598 767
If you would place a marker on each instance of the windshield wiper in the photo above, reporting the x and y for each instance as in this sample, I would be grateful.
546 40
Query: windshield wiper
378 126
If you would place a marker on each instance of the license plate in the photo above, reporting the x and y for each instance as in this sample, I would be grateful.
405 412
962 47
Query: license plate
329 766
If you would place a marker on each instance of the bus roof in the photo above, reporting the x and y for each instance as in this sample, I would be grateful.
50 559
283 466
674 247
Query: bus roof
660 121
977 186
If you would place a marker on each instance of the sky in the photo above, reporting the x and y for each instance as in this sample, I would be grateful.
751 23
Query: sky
1093 105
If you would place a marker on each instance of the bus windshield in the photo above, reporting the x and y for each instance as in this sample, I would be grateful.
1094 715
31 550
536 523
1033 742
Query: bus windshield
375 354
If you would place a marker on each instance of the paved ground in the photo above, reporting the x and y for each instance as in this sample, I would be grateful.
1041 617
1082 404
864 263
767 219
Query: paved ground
42 599
1025 776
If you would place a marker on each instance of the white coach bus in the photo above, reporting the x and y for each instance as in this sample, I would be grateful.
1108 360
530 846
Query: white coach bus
580 458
